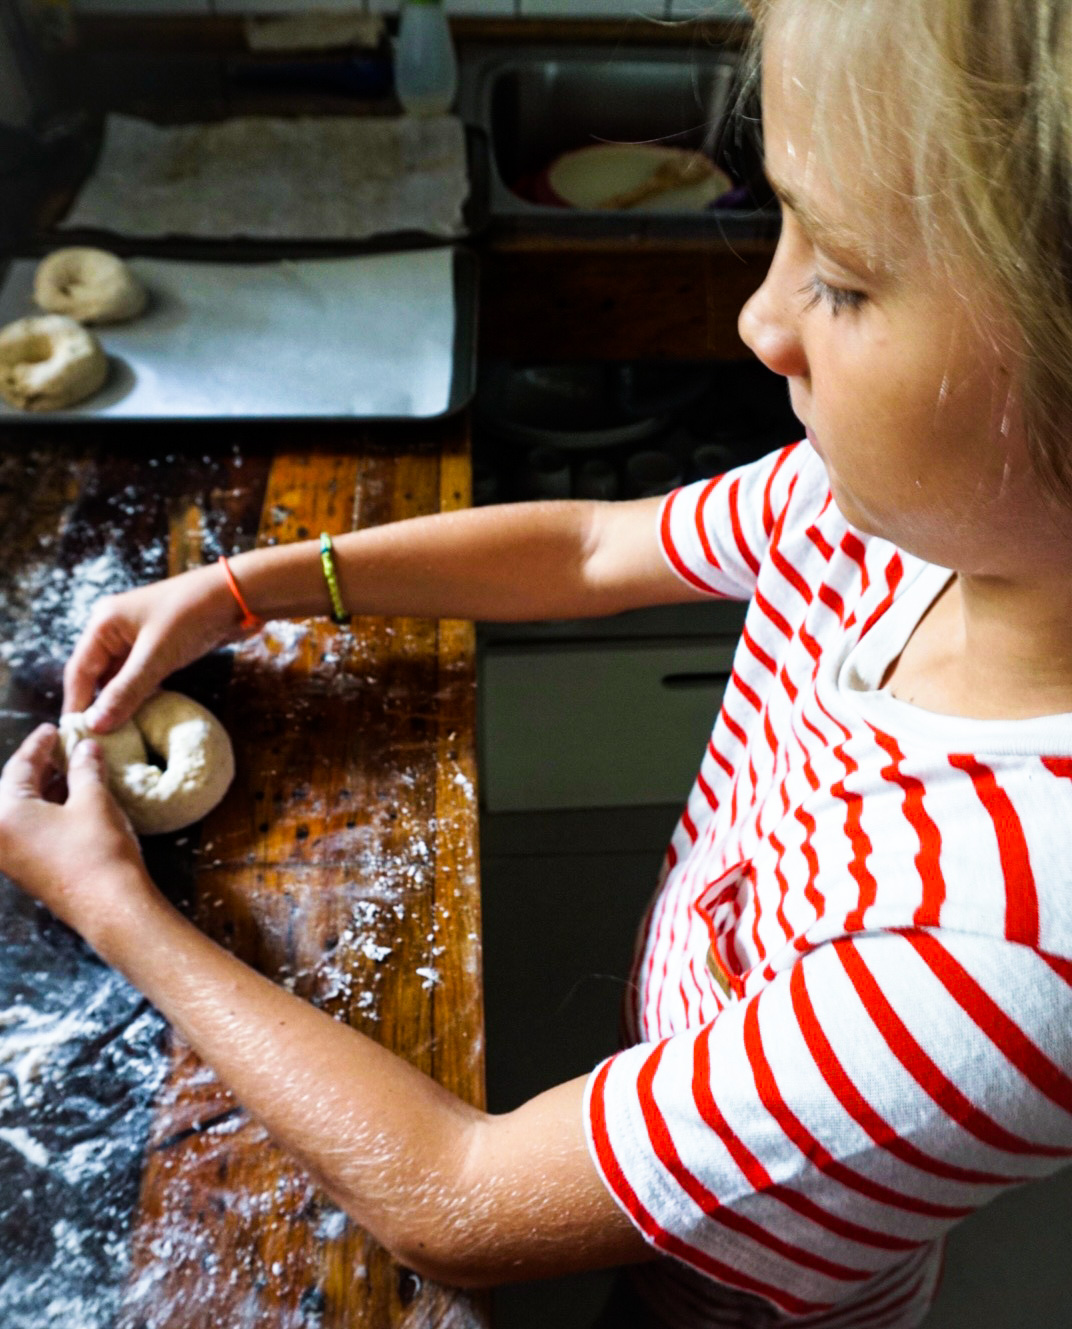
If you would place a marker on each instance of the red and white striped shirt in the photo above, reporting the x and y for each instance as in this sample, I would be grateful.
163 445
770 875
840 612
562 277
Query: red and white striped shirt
886 896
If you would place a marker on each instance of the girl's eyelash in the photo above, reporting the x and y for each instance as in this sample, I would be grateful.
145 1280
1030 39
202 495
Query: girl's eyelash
837 297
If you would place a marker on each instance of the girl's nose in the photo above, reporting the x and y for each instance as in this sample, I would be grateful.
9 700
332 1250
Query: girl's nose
768 324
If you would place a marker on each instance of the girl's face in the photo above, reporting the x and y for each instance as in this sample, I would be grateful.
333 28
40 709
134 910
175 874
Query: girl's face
909 402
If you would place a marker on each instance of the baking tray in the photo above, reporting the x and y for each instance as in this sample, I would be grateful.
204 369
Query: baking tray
476 215
192 356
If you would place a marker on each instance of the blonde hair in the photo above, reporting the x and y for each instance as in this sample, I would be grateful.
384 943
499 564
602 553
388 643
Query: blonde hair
974 98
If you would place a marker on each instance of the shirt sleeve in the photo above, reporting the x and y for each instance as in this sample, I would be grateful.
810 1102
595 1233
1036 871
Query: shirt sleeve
821 1131
715 533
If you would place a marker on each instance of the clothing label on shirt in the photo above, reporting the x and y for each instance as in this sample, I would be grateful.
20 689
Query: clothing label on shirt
714 968
720 905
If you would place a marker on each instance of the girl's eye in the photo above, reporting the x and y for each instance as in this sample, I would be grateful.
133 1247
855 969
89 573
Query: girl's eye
836 297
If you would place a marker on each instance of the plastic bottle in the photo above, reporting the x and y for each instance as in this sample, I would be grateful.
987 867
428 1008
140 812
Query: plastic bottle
426 71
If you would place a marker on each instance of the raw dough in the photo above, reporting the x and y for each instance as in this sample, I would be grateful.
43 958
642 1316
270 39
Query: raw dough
49 362
89 285
195 746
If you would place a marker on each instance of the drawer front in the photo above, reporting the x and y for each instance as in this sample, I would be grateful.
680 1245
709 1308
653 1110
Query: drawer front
604 724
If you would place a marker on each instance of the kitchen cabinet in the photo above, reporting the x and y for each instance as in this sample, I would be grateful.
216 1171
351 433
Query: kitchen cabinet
597 723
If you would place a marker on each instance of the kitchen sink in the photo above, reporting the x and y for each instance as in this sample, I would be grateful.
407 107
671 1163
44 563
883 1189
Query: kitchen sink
539 104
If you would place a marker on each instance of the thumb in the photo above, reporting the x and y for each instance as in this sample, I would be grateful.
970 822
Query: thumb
85 769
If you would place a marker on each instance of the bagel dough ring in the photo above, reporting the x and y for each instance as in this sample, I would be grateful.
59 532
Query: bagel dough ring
193 743
89 285
49 362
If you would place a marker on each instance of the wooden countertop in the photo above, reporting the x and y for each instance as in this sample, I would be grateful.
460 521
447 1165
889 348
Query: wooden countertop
343 861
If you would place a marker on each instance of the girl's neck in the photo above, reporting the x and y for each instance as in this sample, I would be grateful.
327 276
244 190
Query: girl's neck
992 649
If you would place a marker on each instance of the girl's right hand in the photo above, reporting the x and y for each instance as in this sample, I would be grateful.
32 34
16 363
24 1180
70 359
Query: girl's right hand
133 640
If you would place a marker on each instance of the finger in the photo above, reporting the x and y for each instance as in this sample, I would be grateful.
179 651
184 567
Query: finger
110 673
87 777
30 765
89 662
133 684
85 769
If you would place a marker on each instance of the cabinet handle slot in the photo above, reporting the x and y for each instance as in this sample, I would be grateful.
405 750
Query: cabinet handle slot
682 682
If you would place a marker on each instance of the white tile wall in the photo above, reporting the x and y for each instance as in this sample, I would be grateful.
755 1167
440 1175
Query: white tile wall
490 7
473 8
143 6
679 9
478 8
284 6
593 8
707 9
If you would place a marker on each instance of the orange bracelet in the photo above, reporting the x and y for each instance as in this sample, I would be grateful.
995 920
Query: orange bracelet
249 622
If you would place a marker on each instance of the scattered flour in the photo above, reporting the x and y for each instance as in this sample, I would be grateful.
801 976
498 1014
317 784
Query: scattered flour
279 642
81 1058
23 1141
332 1225
45 608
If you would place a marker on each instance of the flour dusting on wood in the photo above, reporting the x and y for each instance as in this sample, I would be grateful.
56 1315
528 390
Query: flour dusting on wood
81 1059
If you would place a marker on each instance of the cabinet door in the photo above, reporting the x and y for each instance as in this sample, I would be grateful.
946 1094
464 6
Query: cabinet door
596 724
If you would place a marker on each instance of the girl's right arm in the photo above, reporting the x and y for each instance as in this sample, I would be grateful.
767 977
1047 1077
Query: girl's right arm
457 1194
514 562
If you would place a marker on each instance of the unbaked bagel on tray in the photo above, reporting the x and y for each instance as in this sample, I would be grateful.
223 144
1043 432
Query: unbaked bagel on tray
196 750
90 285
48 362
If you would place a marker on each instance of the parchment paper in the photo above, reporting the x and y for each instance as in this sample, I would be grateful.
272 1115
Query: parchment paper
339 337
312 32
308 178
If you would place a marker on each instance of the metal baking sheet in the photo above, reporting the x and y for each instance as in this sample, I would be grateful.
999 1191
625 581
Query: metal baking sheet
476 215
375 337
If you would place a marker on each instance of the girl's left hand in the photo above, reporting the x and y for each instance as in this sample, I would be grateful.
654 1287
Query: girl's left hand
72 856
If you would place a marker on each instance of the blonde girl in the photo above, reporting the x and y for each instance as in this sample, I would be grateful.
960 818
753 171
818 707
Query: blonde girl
853 993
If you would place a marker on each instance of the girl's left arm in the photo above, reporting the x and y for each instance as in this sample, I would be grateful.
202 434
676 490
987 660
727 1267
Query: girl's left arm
455 1193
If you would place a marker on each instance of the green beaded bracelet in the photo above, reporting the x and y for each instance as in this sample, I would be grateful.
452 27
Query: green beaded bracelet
327 562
